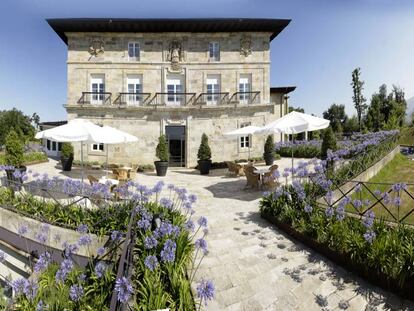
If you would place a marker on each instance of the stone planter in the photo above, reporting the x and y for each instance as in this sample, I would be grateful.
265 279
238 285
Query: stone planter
204 166
66 163
161 167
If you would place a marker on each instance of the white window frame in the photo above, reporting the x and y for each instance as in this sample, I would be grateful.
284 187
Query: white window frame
97 85
136 48
214 51
245 85
175 84
96 147
245 142
213 86
134 85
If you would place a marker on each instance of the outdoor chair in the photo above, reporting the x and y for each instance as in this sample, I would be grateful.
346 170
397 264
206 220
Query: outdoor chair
252 178
92 179
270 182
234 168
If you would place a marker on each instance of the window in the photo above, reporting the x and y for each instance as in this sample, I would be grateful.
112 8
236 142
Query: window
48 144
53 145
59 146
213 88
214 51
245 140
244 88
97 89
175 88
133 51
134 88
97 147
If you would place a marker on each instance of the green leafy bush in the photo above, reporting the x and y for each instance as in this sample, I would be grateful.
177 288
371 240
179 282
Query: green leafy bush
14 150
269 147
28 158
162 149
328 142
204 151
67 150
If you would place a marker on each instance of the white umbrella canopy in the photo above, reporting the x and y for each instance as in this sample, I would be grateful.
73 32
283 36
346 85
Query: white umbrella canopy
247 130
294 123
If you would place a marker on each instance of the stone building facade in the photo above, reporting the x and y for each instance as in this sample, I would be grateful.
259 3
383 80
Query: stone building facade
179 77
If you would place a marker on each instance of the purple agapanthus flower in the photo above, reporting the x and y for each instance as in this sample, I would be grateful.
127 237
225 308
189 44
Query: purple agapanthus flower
189 226
397 201
369 219
76 292
201 244
65 268
101 251
167 203
82 228
82 277
40 306
30 289
158 187
100 269
340 213
19 285
2 256
23 229
308 208
329 212
123 289
116 236
150 242
43 262
151 262
202 221
70 249
85 240
205 290
369 236
168 252
357 203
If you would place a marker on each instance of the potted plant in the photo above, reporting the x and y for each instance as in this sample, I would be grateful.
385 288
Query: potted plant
66 156
269 149
14 158
204 156
161 152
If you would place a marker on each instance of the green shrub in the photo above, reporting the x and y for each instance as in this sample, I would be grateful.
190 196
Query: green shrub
67 150
269 147
162 149
204 151
145 167
14 150
328 143
276 156
28 158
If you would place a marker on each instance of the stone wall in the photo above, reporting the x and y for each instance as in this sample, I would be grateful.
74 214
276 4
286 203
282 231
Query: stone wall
154 63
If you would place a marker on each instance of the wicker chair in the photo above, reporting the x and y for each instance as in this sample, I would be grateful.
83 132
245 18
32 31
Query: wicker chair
234 168
92 179
252 178
270 182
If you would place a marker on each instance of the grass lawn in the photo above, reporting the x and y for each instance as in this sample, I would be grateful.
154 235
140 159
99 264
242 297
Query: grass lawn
399 170
407 136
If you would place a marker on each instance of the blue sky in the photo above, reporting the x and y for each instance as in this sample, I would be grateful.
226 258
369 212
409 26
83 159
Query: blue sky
317 52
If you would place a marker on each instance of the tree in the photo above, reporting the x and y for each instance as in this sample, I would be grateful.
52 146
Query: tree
358 99
14 150
296 109
328 142
337 117
162 149
351 125
35 119
204 151
16 120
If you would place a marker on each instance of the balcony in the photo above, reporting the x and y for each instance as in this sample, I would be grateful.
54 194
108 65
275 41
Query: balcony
245 98
172 99
132 99
165 99
212 99
95 98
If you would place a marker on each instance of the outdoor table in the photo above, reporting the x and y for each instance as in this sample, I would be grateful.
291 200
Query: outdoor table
104 180
261 172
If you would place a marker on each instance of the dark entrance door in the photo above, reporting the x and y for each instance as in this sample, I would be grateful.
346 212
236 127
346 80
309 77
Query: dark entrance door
176 144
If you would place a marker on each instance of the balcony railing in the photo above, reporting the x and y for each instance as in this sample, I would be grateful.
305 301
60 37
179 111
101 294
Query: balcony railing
133 99
172 99
212 99
249 98
95 98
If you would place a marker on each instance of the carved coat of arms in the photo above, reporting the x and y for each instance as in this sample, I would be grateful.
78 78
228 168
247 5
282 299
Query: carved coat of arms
96 47
175 55
246 45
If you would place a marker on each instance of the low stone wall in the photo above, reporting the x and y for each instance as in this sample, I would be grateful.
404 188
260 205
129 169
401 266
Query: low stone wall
366 175
11 221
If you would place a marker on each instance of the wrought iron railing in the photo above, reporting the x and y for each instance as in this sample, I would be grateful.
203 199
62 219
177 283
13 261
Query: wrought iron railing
248 98
95 98
132 99
172 99
212 99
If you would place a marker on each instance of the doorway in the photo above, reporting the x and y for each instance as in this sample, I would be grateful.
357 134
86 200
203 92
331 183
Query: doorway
176 144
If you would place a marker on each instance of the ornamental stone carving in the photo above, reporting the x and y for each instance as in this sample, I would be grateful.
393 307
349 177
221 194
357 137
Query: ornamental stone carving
246 45
96 47
175 55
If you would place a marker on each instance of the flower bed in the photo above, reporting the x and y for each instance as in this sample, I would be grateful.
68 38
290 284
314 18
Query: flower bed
301 148
160 230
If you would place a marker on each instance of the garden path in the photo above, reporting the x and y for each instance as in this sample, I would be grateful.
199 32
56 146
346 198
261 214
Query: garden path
255 266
